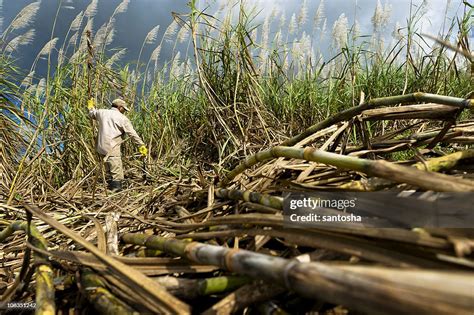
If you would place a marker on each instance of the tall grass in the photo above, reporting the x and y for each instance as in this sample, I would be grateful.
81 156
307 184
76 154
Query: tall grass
227 91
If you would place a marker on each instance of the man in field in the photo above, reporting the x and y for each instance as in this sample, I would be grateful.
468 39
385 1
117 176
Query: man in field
113 126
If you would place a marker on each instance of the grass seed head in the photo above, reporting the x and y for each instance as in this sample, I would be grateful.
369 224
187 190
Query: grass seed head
21 40
91 9
339 31
25 17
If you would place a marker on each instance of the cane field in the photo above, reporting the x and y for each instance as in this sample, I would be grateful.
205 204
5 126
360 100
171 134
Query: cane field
246 108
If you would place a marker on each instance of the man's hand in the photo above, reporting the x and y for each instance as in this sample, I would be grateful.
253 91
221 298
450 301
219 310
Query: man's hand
143 150
90 104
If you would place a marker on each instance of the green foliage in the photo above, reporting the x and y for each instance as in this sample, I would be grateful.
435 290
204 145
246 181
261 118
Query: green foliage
228 96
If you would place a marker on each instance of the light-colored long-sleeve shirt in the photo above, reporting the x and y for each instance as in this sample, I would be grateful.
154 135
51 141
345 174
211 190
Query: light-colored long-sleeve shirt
112 126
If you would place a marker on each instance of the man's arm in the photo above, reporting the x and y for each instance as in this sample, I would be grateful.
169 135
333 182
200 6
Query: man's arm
128 129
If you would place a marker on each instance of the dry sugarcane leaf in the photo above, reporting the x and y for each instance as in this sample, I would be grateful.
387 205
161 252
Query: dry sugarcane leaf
101 243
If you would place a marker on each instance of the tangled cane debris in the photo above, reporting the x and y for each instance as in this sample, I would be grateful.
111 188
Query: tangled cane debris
190 245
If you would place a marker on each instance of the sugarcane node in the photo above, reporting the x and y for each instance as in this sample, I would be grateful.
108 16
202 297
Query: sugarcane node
253 196
286 271
308 152
228 258
148 242
190 251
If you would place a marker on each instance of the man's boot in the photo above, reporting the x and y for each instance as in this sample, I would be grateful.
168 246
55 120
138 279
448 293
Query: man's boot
115 185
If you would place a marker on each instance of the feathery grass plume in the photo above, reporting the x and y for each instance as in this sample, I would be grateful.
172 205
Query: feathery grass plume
116 57
286 63
282 20
40 89
265 32
28 80
132 78
20 40
73 39
295 50
99 38
278 39
387 11
397 31
76 23
292 27
25 17
81 50
89 26
379 21
263 57
175 70
30 90
183 34
339 31
314 61
323 28
105 34
148 77
48 47
150 38
91 9
75 56
303 14
82 40
377 17
356 30
152 35
110 32
122 7
188 70
60 56
319 16
254 34
381 16
300 51
170 31
155 55
305 41
274 13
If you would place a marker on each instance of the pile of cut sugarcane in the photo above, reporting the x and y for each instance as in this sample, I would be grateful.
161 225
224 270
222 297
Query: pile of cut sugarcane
219 245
